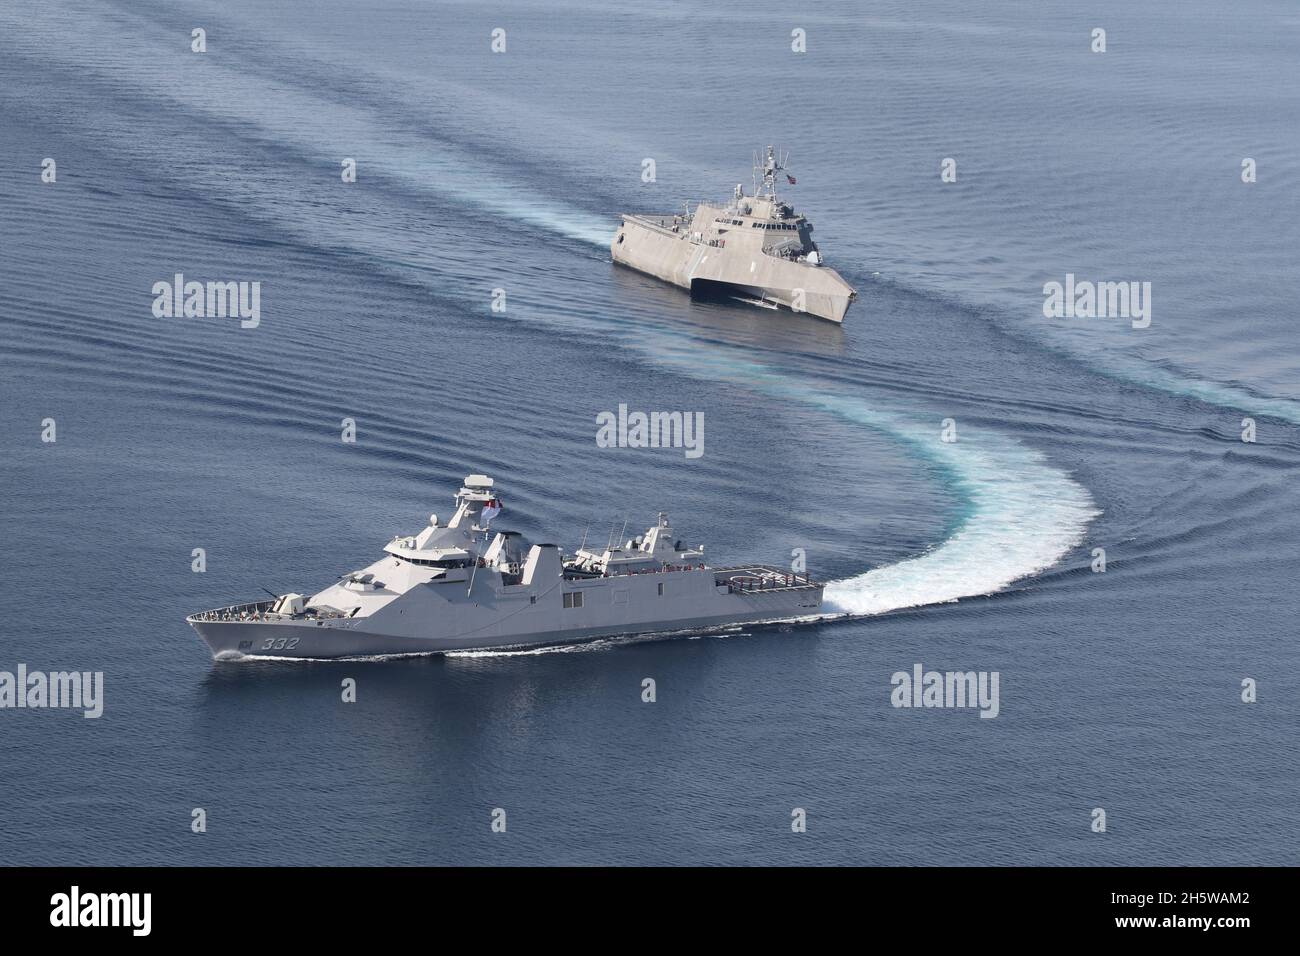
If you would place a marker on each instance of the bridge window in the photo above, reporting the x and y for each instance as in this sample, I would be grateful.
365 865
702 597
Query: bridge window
431 563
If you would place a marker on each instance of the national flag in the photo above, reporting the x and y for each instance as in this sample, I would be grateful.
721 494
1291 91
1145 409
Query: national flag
491 509
789 179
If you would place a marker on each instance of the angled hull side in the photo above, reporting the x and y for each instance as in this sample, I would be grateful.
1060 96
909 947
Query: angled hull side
493 626
669 256
450 588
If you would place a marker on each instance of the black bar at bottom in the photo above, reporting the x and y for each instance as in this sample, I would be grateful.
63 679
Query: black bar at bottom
330 905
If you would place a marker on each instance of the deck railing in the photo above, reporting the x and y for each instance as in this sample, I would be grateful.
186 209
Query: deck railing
236 612
262 611
761 579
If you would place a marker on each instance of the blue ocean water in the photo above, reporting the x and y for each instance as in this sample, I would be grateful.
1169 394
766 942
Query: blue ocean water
479 171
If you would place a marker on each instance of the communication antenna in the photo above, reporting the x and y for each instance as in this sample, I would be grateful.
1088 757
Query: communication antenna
770 165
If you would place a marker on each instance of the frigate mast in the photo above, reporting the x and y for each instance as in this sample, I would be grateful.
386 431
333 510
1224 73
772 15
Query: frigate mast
765 188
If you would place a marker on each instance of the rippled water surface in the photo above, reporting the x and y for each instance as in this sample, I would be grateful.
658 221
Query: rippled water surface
479 171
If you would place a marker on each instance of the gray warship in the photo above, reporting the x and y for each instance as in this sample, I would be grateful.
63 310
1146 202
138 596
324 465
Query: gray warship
754 248
459 586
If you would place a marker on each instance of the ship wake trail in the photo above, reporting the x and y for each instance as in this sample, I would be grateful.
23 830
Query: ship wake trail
1021 514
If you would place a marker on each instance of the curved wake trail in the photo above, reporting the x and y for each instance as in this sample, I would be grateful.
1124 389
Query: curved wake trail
436 168
1212 393
1020 514
1024 516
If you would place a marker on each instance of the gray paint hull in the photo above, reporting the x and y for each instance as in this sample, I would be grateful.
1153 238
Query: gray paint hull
647 247
236 639
446 590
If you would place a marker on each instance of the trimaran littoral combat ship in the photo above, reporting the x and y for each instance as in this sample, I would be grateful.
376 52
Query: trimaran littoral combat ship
459 586
754 248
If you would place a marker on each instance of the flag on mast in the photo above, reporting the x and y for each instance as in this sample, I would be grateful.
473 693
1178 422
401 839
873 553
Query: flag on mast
491 509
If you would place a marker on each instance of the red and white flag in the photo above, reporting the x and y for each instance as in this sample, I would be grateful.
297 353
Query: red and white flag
490 510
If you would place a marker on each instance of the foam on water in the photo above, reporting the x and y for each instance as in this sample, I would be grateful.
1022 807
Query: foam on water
1021 514
1024 516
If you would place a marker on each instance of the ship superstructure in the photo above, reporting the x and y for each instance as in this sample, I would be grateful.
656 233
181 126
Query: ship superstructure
459 585
755 248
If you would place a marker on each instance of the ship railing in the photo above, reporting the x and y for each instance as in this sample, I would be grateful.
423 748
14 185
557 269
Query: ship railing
263 611
604 572
748 577
751 579
670 225
238 612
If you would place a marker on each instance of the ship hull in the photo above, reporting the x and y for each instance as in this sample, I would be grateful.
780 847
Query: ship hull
450 589
650 248
352 639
